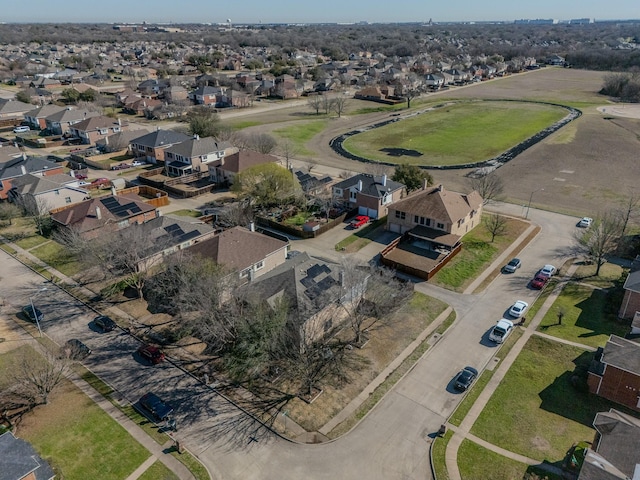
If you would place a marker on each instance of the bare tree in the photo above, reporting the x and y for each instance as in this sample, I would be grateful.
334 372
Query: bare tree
315 103
601 239
340 104
30 380
9 211
496 225
490 186
259 142
327 103
288 150
627 213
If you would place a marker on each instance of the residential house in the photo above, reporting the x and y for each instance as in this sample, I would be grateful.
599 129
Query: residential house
313 290
231 165
59 123
247 253
372 195
175 93
36 118
127 95
94 128
631 300
20 461
153 87
615 372
152 146
375 93
168 235
19 164
432 222
206 95
311 184
13 109
556 60
119 141
45 193
195 155
112 212
614 454
236 98
434 80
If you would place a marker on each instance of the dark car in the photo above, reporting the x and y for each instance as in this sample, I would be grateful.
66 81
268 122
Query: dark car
465 378
513 265
159 409
74 349
151 353
32 313
539 281
104 323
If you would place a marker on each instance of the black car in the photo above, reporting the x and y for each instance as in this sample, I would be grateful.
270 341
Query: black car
159 409
32 313
465 378
74 349
104 323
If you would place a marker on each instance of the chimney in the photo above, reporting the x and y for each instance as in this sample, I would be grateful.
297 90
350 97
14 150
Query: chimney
114 192
119 122
72 173
384 180
359 185
440 188
23 169
196 136
425 184
341 277
106 141
98 213
252 227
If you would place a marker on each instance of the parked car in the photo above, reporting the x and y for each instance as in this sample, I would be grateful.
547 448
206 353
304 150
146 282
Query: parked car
104 323
151 353
518 308
465 378
159 409
138 163
585 222
547 271
21 129
79 176
101 181
513 265
359 221
121 166
501 331
32 313
74 349
539 281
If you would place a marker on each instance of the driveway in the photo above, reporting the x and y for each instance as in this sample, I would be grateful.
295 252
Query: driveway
392 441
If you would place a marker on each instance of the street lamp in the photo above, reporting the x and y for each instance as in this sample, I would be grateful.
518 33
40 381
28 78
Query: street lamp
33 309
529 204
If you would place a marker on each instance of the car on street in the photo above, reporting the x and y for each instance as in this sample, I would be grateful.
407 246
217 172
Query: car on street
501 331
138 163
121 166
465 378
547 271
101 182
79 175
513 265
104 323
159 409
518 308
151 353
359 221
74 349
32 313
585 222
539 281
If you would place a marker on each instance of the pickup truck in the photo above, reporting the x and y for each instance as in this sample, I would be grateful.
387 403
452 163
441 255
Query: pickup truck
501 331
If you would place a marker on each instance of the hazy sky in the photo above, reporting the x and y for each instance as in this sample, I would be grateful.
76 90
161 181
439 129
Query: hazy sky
290 11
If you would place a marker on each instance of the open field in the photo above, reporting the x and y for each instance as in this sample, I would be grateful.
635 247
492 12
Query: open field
460 133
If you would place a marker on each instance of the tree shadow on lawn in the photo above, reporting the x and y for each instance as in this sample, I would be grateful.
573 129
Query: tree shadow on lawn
573 402
593 317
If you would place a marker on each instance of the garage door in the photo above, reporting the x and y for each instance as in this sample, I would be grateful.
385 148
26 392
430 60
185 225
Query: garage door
369 212
394 227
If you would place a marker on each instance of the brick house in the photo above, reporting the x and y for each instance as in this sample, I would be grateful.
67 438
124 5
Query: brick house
206 95
232 165
19 165
60 122
112 212
152 146
95 128
371 195
615 372
631 301
195 155
36 118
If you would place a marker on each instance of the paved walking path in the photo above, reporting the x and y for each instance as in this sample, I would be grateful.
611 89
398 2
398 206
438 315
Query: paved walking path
463 431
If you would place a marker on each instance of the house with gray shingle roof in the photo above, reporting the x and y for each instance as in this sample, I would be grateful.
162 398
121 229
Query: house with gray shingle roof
196 155
151 146
95 128
60 122
372 195
630 305
17 164
232 165
20 461
36 118
13 109
46 193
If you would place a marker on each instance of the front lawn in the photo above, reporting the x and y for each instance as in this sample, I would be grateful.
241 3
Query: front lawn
476 255
476 462
158 471
186 212
535 411
584 320
56 256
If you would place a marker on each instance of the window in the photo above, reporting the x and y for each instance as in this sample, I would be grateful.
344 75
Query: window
416 219
401 215
103 131
67 199
441 226
352 195
245 273
259 265
57 192
338 191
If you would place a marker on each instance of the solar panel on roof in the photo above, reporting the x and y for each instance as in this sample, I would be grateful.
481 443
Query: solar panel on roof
326 283
190 235
307 282
172 228
314 271
135 209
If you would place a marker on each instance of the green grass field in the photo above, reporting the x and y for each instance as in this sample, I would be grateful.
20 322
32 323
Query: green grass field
300 134
158 471
460 133
584 319
535 411
56 256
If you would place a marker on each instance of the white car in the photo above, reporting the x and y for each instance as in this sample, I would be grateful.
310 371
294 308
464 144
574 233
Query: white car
501 331
138 163
547 271
585 222
518 308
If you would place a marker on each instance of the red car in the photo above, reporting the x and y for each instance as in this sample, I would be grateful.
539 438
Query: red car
539 281
151 353
359 221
